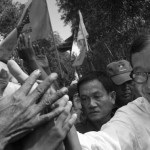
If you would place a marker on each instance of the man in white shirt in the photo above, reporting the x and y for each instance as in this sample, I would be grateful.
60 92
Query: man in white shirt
129 129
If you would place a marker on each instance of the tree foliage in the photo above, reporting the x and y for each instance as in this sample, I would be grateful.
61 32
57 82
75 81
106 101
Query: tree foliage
112 25
9 15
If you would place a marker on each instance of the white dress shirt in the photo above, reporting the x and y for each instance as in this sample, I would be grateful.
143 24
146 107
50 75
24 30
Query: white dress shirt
129 129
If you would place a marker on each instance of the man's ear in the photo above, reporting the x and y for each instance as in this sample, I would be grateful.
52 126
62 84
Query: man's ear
113 97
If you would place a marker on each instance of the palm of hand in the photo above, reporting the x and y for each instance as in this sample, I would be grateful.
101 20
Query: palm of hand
42 60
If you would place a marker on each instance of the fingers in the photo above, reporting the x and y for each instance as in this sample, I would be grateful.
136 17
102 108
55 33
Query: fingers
48 117
64 115
37 49
61 102
71 122
26 87
16 71
43 87
22 40
52 89
29 41
43 51
47 99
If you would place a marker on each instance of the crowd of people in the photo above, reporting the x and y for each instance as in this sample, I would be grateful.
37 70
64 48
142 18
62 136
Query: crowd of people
108 110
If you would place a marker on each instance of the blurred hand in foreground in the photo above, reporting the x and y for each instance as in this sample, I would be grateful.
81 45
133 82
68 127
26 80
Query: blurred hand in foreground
21 112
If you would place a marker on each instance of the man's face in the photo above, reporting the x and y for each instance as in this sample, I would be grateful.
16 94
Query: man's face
141 63
124 93
97 103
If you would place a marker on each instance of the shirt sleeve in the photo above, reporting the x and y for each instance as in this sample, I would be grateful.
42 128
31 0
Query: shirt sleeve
117 134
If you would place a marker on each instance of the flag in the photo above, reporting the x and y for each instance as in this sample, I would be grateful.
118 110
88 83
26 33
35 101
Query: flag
39 26
81 42
35 21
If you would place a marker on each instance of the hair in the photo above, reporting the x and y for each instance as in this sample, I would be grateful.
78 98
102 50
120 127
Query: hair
139 44
101 76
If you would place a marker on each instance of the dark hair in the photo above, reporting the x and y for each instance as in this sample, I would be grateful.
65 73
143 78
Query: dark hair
139 44
101 76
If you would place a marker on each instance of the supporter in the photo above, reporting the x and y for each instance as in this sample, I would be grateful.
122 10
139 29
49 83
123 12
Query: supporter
130 127
97 97
120 74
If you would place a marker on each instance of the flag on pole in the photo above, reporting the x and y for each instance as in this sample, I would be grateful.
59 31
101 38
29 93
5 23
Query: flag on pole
81 42
39 26
35 21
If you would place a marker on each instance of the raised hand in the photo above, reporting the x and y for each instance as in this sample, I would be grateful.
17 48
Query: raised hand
42 58
26 52
21 112
25 49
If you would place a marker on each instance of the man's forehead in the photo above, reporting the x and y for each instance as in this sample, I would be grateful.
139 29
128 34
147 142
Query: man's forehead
91 92
141 60
91 84
92 88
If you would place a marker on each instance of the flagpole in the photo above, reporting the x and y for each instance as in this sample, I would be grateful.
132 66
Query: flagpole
58 58
86 44
109 50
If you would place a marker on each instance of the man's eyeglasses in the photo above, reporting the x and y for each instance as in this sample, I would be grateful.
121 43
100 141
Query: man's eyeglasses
139 77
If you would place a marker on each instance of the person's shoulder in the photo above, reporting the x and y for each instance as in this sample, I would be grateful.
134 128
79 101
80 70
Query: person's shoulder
132 109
